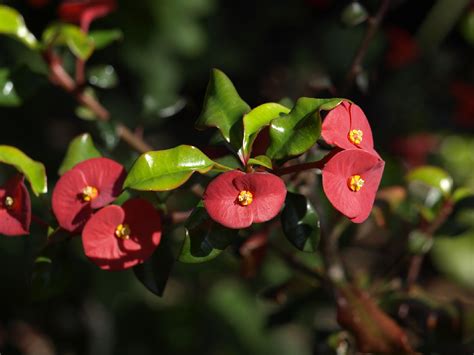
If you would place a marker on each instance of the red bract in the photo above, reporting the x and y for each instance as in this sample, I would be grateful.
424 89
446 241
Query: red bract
346 127
83 12
402 50
236 200
15 207
119 237
350 181
90 185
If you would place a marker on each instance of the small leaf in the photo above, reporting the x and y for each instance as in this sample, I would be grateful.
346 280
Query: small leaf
294 133
8 94
164 170
258 118
12 23
34 171
300 222
432 176
155 271
204 239
223 109
85 113
461 193
419 242
354 14
261 160
104 38
71 36
81 148
103 76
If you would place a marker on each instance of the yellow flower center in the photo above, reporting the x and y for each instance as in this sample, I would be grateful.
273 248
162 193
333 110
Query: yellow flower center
122 231
89 193
355 136
355 182
9 202
245 198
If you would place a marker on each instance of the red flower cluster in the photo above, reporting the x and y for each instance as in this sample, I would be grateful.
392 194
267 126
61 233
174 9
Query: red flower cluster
15 207
351 176
114 237
236 199
83 12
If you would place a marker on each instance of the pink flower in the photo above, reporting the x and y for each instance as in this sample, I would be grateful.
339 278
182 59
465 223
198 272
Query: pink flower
350 180
119 237
236 199
83 12
89 185
15 207
346 127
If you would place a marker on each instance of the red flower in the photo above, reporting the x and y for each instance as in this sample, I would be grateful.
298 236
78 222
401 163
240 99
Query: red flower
350 181
463 93
346 127
83 12
119 237
15 207
414 150
236 200
90 185
38 3
402 50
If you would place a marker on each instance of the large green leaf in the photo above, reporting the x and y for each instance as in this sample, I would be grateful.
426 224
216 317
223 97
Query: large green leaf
8 94
155 271
164 170
300 222
103 38
204 239
34 171
432 176
81 148
12 24
71 36
223 109
258 118
294 133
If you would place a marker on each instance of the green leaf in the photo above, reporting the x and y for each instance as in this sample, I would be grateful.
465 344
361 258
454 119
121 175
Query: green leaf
432 176
354 14
8 94
81 148
34 171
419 242
294 133
454 257
104 38
71 36
461 193
300 222
204 239
102 76
12 24
155 271
261 160
223 109
164 170
258 118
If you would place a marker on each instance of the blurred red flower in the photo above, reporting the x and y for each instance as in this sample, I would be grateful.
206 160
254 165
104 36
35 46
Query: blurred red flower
38 3
119 237
15 207
83 12
346 127
236 199
463 93
350 181
414 149
89 185
402 49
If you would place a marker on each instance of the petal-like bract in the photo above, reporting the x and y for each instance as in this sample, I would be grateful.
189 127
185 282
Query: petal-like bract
83 12
15 207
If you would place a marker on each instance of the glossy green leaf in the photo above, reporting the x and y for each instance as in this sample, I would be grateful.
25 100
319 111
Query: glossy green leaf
8 94
294 133
454 257
300 222
71 36
81 148
223 109
12 24
155 271
34 171
432 176
164 170
258 118
103 76
461 193
204 239
354 14
104 38
261 160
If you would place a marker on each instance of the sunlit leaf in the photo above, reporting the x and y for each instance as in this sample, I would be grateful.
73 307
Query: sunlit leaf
432 176
104 38
12 24
354 14
71 36
8 94
81 148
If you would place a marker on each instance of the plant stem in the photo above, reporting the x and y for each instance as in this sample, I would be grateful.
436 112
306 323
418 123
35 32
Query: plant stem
373 25
61 78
